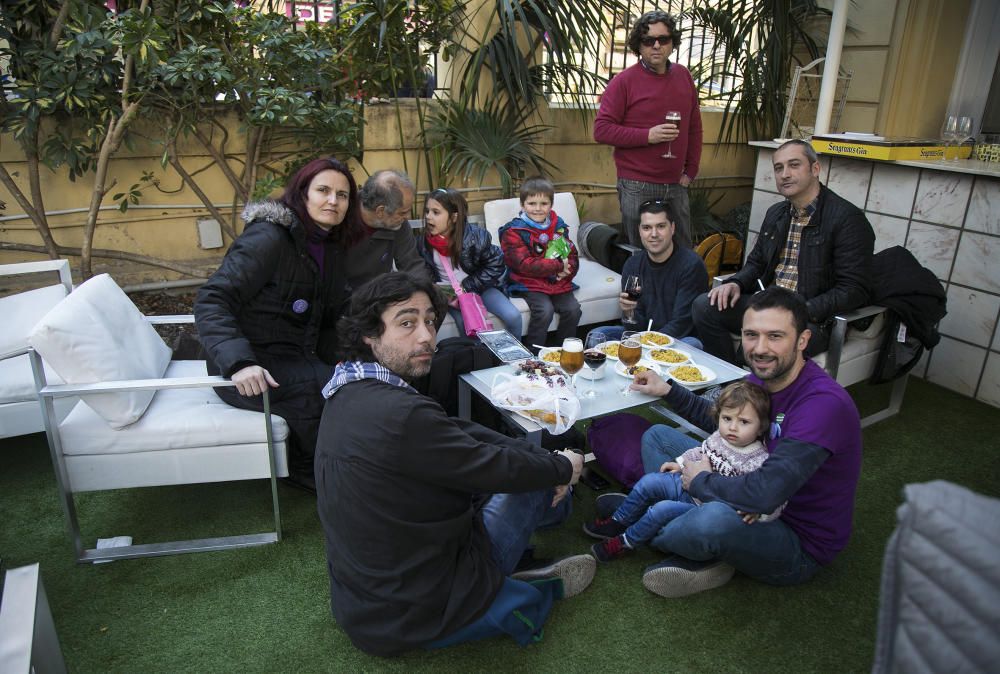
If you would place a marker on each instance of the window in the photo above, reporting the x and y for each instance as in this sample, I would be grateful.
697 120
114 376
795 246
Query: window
611 55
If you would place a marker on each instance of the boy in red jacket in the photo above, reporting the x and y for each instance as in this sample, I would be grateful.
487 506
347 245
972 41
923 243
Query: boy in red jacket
542 261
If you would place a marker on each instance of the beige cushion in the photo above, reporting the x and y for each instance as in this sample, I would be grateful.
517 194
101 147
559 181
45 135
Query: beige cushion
22 311
96 334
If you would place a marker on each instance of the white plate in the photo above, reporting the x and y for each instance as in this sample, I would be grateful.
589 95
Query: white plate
550 349
608 343
622 370
652 353
669 342
706 372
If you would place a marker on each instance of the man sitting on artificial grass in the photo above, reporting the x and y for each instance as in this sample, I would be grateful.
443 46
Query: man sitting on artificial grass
814 460
423 532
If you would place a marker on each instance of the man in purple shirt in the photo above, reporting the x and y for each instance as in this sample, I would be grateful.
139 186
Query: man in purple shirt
814 462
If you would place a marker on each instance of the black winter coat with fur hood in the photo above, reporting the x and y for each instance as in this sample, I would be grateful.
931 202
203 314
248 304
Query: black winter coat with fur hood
268 300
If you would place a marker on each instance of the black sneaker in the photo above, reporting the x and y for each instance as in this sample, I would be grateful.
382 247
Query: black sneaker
604 527
576 573
610 549
677 576
607 504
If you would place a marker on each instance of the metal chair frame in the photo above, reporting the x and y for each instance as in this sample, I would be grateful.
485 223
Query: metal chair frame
48 394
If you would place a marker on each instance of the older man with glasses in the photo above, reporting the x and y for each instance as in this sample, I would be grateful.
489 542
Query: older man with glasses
649 113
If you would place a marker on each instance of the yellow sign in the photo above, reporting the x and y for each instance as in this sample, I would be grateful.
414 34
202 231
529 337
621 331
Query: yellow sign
889 149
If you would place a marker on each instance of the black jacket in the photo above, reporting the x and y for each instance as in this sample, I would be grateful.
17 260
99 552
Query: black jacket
268 300
835 260
400 503
382 250
912 291
480 259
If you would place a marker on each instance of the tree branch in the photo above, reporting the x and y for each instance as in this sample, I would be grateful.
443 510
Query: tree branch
190 182
220 159
110 255
41 223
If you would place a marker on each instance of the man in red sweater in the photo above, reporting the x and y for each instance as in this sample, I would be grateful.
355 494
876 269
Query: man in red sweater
633 119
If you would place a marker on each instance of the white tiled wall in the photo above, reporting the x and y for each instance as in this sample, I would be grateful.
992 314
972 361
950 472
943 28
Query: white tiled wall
951 223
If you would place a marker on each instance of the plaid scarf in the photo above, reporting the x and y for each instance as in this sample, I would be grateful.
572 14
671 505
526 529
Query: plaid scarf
354 370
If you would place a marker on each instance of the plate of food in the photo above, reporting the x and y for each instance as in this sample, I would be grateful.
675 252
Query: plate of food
541 373
550 354
641 366
610 348
692 375
669 356
654 340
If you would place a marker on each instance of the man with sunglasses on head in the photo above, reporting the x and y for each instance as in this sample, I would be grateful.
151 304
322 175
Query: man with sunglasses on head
632 119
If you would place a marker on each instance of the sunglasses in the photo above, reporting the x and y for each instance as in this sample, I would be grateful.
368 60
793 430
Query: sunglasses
664 40
652 202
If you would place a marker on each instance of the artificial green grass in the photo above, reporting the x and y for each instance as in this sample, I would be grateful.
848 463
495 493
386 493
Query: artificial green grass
267 609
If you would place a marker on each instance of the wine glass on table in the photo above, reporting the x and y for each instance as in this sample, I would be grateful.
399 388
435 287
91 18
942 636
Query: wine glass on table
633 288
949 132
571 356
674 117
964 134
594 357
629 353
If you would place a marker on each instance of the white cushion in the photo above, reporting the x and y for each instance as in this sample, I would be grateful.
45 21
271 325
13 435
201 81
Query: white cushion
182 418
17 383
22 311
96 334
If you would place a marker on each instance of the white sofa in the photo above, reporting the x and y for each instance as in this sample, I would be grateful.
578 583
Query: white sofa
20 413
599 286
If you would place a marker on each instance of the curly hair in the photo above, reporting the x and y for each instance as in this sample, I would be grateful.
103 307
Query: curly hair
642 24
363 317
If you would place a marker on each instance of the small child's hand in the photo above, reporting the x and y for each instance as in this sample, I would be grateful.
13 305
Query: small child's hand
749 518
670 467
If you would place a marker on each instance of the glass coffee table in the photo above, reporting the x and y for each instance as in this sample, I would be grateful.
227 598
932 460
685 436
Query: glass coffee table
609 398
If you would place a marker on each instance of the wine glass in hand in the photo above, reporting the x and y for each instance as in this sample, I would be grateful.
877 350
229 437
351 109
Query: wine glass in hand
594 357
629 353
674 117
571 356
633 288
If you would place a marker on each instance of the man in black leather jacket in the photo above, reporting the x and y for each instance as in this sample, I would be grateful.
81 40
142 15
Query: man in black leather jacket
816 243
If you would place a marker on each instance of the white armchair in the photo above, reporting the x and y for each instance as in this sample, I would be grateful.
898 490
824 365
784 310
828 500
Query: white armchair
599 286
20 413
141 419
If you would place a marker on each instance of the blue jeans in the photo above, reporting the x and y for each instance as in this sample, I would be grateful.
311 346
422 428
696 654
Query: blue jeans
654 501
614 332
511 519
663 443
500 306
767 551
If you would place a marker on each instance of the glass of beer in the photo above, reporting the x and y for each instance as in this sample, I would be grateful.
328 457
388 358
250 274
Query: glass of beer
571 357
629 353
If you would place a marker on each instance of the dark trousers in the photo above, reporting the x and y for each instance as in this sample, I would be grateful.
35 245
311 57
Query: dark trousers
716 329
298 400
543 307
